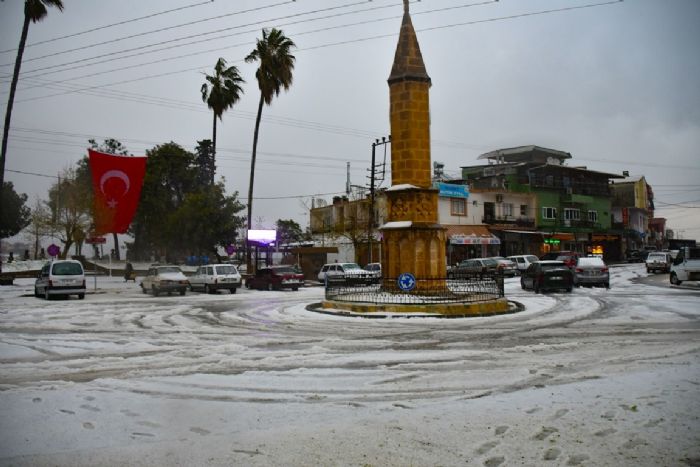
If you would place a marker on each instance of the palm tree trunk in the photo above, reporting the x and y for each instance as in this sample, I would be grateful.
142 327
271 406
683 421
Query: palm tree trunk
10 102
252 179
213 152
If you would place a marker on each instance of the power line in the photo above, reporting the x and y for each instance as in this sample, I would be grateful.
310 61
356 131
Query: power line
154 31
191 36
111 25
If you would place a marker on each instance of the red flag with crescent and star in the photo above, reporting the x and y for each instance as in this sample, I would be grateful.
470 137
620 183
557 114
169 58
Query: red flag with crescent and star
116 182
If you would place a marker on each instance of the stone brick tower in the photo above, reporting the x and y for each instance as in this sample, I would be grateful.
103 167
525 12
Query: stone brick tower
412 239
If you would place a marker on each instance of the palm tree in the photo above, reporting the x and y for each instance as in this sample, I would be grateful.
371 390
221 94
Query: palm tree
274 73
34 11
220 92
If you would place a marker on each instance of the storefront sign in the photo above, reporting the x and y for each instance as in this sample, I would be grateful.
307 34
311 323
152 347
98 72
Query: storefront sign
474 240
453 191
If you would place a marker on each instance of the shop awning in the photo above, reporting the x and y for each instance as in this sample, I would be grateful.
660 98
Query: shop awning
471 235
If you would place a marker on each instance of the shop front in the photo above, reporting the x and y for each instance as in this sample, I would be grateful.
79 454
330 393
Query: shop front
470 241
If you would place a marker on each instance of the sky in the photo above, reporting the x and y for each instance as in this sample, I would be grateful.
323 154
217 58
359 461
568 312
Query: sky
594 377
612 83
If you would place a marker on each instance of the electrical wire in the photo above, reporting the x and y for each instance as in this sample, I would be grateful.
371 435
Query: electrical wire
107 26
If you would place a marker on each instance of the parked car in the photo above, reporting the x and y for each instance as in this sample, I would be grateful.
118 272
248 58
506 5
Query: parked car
215 277
658 261
345 272
375 270
164 278
473 267
686 266
636 256
506 266
60 278
275 278
568 257
591 271
547 275
523 261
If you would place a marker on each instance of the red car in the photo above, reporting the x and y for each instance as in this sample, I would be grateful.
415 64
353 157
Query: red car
568 257
275 278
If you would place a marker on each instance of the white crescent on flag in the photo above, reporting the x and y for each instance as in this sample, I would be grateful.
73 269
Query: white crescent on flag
115 174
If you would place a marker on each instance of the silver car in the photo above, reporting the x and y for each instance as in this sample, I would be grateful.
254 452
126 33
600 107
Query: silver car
165 279
60 278
591 271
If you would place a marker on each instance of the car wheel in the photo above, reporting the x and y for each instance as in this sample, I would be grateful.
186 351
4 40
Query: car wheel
569 289
674 279
247 285
183 291
47 296
154 290
207 289
537 288
81 296
522 284
36 292
295 289
233 290
607 285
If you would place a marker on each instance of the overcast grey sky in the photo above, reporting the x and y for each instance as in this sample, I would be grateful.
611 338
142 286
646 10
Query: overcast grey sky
616 85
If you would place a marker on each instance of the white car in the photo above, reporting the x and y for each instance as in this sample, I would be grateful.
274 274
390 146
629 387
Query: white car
344 272
214 277
658 261
522 262
164 279
60 278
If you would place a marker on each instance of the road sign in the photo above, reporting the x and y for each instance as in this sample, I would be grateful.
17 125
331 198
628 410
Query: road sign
53 250
407 282
96 240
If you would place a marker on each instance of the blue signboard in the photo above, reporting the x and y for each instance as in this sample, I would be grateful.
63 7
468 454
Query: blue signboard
453 191
407 282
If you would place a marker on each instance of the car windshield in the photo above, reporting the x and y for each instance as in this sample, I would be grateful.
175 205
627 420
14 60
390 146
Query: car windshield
67 269
657 256
168 269
531 259
228 269
347 266
490 262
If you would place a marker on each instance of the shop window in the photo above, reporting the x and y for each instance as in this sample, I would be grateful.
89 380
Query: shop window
523 210
458 206
593 216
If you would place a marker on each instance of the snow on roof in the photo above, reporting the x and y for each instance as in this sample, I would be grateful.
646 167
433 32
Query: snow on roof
403 186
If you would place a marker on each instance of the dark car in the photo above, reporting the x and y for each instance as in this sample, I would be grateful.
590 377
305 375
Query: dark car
473 267
547 275
275 278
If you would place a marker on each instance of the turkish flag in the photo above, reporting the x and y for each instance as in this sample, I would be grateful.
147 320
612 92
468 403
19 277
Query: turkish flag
116 182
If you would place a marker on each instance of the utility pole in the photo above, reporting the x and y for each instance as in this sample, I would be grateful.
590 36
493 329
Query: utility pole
385 140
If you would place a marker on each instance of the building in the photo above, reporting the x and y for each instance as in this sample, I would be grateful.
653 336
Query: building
534 202
633 207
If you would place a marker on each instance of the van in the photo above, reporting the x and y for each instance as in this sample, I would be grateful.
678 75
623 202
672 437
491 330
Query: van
60 278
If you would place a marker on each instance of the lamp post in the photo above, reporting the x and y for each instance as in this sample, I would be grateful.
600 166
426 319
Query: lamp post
385 140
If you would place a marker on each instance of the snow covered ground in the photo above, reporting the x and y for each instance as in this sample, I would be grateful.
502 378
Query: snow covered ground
596 377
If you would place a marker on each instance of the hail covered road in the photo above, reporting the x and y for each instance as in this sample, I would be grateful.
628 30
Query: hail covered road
596 377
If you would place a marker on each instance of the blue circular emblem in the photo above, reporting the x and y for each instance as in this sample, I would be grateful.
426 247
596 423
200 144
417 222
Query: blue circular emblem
406 281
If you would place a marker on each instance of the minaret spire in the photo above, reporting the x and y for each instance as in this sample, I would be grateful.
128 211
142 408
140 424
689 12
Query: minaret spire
405 6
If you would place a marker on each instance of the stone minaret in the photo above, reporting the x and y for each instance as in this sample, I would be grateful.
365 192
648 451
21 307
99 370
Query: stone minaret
413 241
